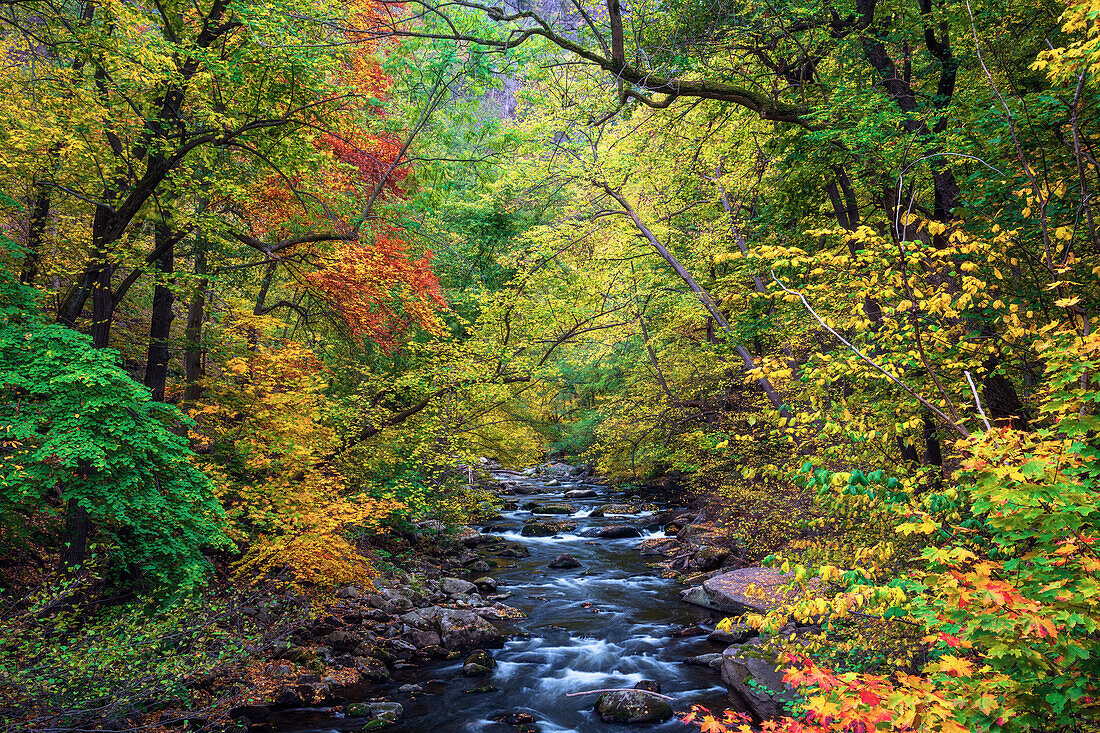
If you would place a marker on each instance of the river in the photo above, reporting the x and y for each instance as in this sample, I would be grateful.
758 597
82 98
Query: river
610 623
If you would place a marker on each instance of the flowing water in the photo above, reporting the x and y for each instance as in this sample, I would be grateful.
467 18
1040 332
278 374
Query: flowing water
610 623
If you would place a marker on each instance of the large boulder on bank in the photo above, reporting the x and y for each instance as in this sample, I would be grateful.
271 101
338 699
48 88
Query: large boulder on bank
463 630
743 591
632 706
754 681
457 586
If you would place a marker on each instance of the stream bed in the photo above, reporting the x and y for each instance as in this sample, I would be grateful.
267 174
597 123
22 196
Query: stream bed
610 623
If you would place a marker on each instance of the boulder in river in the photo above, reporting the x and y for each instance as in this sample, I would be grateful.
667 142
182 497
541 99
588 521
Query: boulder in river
553 509
613 532
632 706
479 663
485 584
564 561
606 509
581 494
754 680
538 528
463 630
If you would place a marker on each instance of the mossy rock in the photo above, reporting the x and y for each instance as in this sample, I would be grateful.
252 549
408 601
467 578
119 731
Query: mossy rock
632 706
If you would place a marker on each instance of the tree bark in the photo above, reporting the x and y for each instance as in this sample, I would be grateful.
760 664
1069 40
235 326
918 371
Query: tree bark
193 363
160 323
40 215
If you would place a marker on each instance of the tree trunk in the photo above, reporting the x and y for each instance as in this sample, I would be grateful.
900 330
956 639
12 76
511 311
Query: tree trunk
78 526
160 324
193 362
40 215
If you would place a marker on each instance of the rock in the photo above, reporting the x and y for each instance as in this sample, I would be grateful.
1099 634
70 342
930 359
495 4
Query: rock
581 494
431 525
303 694
434 652
613 509
515 719
357 709
469 537
398 602
553 509
371 669
538 528
485 584
475 670
497 612
659 547
632 706
730 592
709 557
341 640
388 711
703 660
349 591
401 648
754 681
514 551
479 663
371 650
416 619
479 566
463 630
648 686
456 586
302 656
421 639
613 532
553 482
410 689
738 633
692 630
564 562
